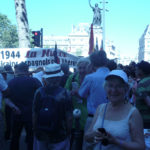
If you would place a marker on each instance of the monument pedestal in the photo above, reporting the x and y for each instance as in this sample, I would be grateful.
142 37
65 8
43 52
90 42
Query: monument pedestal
98 36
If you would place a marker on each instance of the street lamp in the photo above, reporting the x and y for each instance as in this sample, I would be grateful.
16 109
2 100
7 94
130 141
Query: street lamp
104 2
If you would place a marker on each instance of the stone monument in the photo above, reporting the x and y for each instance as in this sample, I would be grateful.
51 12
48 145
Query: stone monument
97 20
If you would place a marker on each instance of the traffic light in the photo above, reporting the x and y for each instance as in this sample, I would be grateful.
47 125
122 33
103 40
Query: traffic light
36 38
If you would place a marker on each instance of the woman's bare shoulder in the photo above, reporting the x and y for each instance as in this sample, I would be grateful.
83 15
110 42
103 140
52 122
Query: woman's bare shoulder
135 116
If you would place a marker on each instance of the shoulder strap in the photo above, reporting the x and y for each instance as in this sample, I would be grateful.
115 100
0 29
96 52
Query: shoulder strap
130 112
42 92
104 115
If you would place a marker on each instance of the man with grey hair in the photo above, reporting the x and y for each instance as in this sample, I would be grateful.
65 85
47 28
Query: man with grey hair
92 86
67 73
73 83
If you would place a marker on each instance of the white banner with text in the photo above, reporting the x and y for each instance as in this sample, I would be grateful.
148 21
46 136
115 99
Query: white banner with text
35 57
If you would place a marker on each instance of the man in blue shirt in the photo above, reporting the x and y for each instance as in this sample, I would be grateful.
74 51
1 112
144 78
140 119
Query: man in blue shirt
92 87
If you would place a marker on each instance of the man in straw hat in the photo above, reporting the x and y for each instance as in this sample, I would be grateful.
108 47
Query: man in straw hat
52 112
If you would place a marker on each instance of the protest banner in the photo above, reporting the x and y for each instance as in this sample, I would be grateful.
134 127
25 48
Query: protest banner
35 57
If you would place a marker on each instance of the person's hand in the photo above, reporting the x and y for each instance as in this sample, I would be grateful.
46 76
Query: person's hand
16 110
74 92
111 139
106 138
97 136
75 88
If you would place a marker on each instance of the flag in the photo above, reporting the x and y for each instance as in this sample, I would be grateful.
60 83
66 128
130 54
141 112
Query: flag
56 59
101 46
91 41
96 45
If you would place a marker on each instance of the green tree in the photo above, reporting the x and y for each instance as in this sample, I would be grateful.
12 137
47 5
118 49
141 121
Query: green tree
8 33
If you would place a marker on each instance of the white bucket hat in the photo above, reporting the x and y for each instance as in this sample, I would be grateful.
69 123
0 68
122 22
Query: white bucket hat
52 70
119 73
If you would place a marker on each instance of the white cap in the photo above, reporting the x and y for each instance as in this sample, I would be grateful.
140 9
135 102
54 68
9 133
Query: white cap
119 73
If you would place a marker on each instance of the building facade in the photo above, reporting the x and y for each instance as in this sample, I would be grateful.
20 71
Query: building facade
77 42
144 45
126 60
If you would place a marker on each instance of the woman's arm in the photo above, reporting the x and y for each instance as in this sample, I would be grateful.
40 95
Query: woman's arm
136 132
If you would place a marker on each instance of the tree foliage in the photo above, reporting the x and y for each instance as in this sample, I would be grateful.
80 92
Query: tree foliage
8 33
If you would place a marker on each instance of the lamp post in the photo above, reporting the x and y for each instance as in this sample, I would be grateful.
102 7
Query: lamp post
104 2
41 37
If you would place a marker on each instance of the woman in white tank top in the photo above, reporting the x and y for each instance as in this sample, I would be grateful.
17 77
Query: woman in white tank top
121 121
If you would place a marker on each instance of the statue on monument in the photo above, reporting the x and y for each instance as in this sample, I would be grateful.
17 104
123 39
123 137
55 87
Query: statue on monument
97 14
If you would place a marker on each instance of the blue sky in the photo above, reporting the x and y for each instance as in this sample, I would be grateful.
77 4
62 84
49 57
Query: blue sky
125 21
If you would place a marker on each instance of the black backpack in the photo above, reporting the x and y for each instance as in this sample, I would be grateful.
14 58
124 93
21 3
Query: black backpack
50 115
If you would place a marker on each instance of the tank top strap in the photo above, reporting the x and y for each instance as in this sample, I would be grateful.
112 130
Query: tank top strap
102 107
130 112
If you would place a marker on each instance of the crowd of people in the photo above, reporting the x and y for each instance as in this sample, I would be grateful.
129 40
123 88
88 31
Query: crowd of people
113 101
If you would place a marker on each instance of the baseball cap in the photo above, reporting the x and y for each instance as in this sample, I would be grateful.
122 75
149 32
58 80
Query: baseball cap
118 73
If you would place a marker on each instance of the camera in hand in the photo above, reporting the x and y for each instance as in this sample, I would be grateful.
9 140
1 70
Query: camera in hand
104 140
